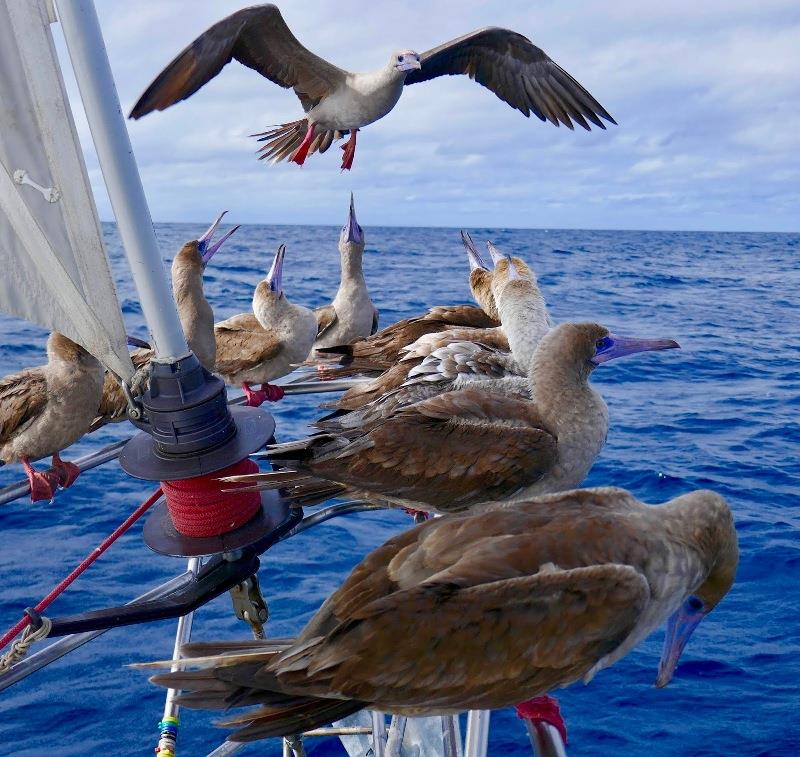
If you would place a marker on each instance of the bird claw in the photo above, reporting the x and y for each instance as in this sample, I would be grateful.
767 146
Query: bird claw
419 516
67 473
267 393
44 485
543 709
349 151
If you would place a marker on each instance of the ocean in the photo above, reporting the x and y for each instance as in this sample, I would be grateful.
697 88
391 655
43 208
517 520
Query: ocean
720 413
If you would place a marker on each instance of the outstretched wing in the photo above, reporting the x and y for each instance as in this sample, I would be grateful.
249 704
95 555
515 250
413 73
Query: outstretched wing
258 38
518 72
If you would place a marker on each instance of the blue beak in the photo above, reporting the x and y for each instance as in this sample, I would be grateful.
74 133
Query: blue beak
136 342
679 629
275 275
353 232
204 245
613 346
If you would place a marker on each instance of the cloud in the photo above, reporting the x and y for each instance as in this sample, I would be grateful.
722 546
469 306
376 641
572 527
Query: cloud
705 94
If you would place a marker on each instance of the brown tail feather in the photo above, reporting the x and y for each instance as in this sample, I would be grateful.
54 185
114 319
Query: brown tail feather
282 141
284 721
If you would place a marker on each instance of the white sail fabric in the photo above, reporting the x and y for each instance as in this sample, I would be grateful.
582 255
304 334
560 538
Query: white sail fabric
53 266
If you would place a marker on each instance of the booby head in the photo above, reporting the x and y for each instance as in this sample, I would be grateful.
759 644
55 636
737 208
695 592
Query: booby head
62 348
722 552
480 278
405 61
581 347
352 234
199 252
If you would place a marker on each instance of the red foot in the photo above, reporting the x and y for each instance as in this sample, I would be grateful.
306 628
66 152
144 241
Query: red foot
272 392
543 709
267 393
67 472
349 151
419 516
43 485
301 153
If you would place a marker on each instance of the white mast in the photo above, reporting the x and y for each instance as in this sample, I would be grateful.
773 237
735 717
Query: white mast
99 94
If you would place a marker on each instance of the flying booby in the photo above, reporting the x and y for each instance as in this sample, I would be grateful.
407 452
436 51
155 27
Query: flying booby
468 448
337 102
267 344
194 312
481 612
46 409
351 315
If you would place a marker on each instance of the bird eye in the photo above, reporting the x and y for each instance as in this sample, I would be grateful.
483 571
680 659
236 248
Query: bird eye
399 58
602 344
694 604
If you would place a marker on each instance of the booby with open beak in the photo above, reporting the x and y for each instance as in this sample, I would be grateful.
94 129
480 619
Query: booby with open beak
44 410
479 611
351 315
469 448
337 102
194 311
267 344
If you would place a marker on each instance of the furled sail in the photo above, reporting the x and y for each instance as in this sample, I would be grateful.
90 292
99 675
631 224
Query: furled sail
53 267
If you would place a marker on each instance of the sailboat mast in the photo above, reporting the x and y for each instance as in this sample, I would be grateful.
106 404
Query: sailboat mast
100 101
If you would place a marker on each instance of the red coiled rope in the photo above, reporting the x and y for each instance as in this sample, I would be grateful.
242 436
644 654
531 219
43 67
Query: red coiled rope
198 506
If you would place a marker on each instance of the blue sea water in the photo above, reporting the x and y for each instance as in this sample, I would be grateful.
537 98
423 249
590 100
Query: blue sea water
721 413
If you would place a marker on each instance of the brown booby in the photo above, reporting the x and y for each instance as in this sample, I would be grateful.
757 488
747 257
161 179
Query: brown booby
267 344
481 611
194 311
337 102
351 315
469 448
46 409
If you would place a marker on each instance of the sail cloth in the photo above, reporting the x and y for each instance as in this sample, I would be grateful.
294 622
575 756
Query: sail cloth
53 267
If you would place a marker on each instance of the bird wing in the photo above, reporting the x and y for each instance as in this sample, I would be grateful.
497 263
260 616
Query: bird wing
376 316
448 451
326 318
243 342
258 38
22 397
518 72
488 644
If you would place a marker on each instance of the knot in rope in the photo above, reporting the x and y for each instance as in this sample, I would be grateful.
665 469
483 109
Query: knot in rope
20 647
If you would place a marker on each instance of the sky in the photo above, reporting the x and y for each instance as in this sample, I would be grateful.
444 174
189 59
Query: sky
706 94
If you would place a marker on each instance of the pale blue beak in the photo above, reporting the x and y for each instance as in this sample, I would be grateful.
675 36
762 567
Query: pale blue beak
352 231
408 64
275 275
204 245
613 346
680 627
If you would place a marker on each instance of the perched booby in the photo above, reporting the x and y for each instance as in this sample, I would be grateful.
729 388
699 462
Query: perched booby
378 353
267 344
481 612
46 409
337 102
194 311
351 315
467 448
453 360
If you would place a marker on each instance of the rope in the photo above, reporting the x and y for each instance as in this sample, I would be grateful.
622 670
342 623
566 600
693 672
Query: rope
21 646
199 507
88 560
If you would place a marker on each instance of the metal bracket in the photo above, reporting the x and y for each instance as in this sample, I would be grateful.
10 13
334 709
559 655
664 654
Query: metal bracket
51 194
249 605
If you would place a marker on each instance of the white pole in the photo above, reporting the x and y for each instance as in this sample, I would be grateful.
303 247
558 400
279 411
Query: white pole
100 101
477 741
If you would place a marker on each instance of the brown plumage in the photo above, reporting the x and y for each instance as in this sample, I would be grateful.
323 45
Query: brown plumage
468 448
481 612
46 409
